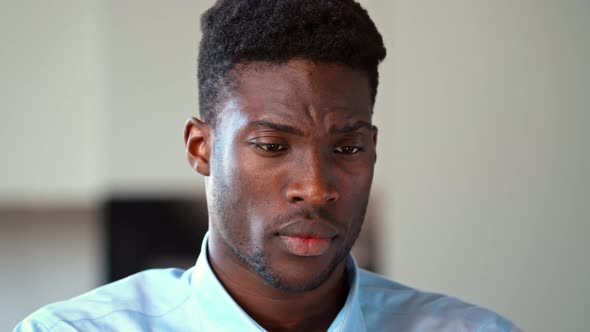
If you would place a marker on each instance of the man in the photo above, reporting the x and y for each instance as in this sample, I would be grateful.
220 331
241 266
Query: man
287 147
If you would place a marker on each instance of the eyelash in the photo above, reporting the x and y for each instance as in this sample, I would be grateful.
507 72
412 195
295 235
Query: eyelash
355 149
277 147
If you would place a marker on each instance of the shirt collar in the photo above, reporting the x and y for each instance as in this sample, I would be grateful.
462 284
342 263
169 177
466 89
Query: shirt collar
217 310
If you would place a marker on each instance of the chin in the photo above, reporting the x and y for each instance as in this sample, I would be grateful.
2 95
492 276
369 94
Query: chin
297 283
299 275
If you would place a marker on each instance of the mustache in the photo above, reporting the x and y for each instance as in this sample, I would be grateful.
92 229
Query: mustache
307 222
313 215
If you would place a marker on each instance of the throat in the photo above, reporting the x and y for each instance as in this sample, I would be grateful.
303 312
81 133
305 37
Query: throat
278 310
274 308
306 311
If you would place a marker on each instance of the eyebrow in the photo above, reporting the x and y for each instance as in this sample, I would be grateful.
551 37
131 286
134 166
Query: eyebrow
290 129
275 126
354 127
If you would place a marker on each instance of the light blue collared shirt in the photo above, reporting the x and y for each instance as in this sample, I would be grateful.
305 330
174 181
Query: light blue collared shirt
194 300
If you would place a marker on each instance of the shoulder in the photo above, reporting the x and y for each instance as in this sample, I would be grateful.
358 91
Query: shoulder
148 294
388 303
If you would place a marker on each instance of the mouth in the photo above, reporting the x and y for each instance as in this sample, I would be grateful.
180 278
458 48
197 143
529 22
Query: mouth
306 237
306 245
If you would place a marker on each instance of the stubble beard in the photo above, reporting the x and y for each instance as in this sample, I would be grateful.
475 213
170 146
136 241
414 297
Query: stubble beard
257 260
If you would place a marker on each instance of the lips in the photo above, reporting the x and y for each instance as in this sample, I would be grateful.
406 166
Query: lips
307 238
306 246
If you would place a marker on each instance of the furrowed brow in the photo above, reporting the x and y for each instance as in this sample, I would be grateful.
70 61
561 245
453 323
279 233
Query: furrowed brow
354 127
276 126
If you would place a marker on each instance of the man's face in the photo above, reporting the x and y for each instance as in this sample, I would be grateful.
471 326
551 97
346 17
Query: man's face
291 170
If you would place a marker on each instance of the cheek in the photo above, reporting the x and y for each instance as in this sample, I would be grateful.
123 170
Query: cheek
262 178
355 184
257 189
354 197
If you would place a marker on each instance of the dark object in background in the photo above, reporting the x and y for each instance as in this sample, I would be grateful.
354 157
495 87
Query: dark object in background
144 233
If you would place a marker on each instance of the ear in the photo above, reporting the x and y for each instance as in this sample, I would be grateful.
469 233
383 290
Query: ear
375 132
197 141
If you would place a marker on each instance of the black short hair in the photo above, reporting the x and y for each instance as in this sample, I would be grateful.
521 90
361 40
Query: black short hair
276 31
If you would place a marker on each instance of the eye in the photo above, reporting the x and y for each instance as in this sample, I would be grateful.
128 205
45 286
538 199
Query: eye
271 147
347 149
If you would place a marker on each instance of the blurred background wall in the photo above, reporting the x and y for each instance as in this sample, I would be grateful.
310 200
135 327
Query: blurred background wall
483 172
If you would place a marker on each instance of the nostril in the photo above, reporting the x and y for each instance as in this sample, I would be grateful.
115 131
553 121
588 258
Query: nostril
297 199
333 197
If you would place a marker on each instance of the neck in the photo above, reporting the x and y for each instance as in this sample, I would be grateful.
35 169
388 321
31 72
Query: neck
275 309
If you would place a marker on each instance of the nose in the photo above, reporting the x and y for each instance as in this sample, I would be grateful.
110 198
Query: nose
312 182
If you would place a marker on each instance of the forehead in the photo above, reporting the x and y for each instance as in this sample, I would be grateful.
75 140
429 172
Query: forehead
302 89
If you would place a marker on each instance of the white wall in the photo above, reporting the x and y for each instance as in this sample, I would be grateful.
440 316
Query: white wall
94 97
485 116
151 59
51 100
